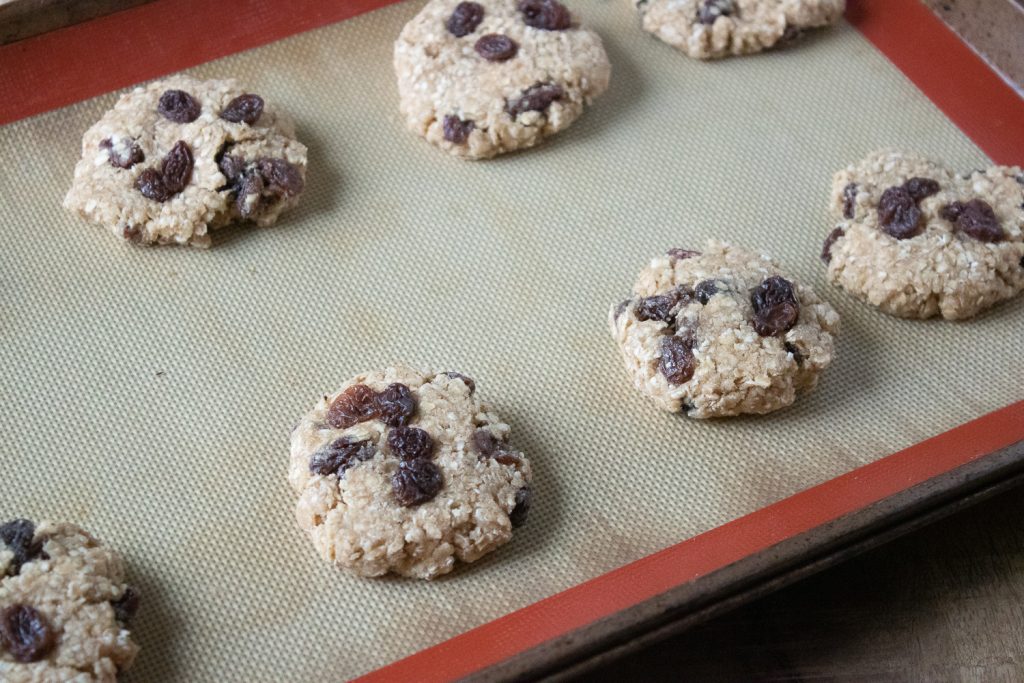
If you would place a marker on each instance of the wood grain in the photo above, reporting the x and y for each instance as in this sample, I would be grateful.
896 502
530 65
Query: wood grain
24 18
944 603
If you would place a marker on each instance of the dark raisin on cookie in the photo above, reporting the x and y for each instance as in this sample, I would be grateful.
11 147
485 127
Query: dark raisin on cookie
25 633
776 310
898 213
710 10
495 47
249 194
409 443
395 405
826 249
243 109
465 19
485 442
468 381
921 188
416 481
535 98
19 537
677 254
356 404
281 177
122 159
178 106
177 167
661 307
850 200
523 501
547 15
677 362
797 356
704 290
456 130
151 184
340 455
126 606
974 218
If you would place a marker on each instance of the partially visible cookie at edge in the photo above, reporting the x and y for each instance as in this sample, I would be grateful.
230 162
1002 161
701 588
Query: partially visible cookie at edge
712 29
178 158
722 332
407 472
917 240
483 78
65 608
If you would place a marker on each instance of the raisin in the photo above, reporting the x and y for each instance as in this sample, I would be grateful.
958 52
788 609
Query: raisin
177 167
677 363
178 106
243 109
465 19
547 15
921 188
775 307
25 633
468 381
524 499
151 184
456 130
250 189
126 606
797 356
710 10
680 254
280 176
18 535
705 290
340 455
122 158
508 458
826 249
660 307
416 481
485 443
409 443
495 47
850 200
898 213
976 218
535 98
232 167
356 404
395 405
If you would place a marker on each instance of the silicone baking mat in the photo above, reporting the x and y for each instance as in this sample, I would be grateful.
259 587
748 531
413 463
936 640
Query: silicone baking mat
148 393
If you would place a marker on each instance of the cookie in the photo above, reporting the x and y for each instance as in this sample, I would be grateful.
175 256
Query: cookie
407 472
176 159
482 78
722 332
917 240
711 29
64 606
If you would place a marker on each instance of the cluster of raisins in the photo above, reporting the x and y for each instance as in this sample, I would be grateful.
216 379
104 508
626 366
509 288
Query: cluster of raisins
171 178
974 218
19 536
259 183
898 211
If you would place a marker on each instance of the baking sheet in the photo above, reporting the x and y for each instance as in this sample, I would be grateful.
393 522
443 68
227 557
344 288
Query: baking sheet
149 393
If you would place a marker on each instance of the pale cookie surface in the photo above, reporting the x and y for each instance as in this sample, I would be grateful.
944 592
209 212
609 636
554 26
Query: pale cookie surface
178 158
711 29
721 333
917 240
64 606
407 472
483 78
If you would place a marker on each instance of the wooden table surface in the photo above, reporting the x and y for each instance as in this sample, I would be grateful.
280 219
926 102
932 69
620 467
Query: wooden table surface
945 603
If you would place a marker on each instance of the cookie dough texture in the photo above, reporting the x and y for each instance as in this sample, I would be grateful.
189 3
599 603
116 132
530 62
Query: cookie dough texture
711 29
72 583
354 519
941 271
736 369
441 75
106 194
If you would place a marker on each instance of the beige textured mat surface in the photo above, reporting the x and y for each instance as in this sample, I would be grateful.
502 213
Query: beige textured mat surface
148 394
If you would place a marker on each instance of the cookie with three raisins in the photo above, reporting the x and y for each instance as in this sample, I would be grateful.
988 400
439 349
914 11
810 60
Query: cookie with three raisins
179 158
407 472
916 240
722 332
711 29
65 608
483 78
